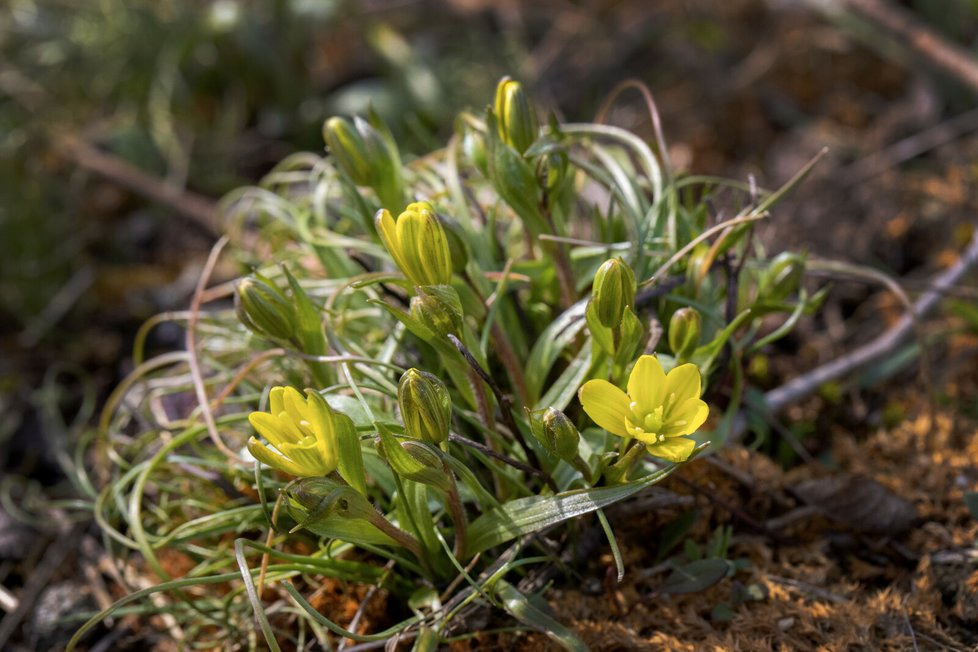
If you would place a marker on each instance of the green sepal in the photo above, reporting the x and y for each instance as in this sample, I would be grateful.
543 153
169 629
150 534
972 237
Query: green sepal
601 336
350 456
332 510
439 309
630 337
514 179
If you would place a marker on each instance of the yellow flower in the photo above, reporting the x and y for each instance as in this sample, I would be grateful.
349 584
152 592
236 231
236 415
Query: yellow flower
657 410
417 242
515 115
302 432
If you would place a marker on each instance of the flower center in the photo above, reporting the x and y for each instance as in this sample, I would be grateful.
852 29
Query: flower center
649 421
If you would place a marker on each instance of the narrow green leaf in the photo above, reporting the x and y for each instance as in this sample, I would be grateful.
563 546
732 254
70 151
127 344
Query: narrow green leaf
613 543
704 356
520 607
549 346
527 515
696 576
564 389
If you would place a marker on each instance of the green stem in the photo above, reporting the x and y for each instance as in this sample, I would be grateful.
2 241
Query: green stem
590 477
618 472
458 517
400 536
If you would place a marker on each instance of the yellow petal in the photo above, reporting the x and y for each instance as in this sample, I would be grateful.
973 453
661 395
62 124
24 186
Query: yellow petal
686 418
410 225
322 420
295 405
269 457
673 449
433 252
606 405
276 401
647 383
269 427
306 455
387 229
290 429
682 383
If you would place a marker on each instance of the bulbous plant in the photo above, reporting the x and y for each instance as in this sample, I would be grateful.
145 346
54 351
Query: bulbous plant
462 364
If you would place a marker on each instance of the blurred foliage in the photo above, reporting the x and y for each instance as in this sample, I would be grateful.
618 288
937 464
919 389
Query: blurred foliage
202 95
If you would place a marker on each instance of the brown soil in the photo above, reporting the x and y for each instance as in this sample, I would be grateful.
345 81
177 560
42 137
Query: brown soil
829 584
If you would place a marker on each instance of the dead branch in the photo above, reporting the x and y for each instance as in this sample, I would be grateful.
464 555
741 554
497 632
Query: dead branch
199 209
919 37
793 391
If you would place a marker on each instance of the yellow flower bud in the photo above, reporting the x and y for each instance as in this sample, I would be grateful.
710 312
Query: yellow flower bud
684 332
613 291
417 243
518 126
263 309
426 406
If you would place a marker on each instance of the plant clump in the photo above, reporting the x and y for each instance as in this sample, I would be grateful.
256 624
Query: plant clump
412 402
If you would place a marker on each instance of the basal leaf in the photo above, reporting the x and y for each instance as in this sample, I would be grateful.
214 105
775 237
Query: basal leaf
527 515
520 607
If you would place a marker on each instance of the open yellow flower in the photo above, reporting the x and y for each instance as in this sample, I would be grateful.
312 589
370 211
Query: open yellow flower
657 410
302 433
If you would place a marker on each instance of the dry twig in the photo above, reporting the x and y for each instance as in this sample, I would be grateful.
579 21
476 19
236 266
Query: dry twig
781 397
923 40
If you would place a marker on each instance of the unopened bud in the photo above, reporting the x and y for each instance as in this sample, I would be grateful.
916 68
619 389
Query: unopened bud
555 432
415 460
426 406
263 308
518 126
312 501
349 150
782 277
613 291
417 243
366 152
684 332
474 147
438 311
